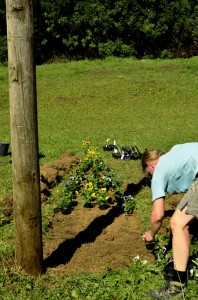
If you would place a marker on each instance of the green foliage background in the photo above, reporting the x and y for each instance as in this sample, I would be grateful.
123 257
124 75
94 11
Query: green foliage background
97 29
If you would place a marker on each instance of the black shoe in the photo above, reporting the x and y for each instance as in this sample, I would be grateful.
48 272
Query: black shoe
171 291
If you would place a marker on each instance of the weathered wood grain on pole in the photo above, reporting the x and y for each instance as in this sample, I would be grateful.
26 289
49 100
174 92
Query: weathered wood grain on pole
24 136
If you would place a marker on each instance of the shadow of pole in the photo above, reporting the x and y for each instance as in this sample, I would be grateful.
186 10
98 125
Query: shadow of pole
66 250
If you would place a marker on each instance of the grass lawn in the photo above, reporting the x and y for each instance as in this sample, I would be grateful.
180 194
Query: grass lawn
148 103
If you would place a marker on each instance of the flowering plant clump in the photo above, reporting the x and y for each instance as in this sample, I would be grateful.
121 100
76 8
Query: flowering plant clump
73 184
88 194
66 192
102 197
128 204
94 181
63 197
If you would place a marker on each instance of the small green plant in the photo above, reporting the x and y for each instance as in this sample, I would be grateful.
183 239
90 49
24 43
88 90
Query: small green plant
160 250
88 194
63 196
102 197
128 204
47 211
193 268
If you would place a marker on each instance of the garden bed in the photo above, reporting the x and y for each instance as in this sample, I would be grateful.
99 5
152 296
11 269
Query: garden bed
88 239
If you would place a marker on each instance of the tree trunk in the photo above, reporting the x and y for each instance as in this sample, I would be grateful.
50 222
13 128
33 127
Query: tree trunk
24 136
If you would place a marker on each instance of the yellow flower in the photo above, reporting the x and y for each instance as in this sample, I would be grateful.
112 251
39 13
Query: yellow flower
89 185
92 152
85 143
93 195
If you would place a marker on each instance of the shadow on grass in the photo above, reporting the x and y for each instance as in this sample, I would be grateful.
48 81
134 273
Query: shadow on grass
134 188
66 250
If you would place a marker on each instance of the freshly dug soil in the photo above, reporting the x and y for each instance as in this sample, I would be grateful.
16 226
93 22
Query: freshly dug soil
88 239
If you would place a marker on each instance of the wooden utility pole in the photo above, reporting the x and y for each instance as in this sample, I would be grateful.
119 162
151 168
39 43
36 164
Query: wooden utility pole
24 136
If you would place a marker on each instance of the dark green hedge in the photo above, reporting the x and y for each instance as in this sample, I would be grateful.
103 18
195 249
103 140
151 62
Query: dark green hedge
99 28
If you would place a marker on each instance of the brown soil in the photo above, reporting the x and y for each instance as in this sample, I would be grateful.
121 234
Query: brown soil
88 239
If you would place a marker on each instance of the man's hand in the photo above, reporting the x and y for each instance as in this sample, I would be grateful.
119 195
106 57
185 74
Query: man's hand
148 236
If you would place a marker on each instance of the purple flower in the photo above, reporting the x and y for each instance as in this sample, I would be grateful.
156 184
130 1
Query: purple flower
126 157
108 168
67 184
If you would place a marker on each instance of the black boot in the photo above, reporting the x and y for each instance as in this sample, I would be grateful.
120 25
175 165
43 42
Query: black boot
173 290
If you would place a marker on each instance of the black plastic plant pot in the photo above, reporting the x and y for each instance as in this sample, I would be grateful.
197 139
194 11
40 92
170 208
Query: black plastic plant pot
126 149
150 245
108 147
116 155
134 156
4 148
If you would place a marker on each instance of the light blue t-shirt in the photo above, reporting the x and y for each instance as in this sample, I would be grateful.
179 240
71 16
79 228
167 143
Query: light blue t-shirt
176 170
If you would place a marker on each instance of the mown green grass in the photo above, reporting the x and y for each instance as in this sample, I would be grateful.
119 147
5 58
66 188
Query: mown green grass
148 103
132 283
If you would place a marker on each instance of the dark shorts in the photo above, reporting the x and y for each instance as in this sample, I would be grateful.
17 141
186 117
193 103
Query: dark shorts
190 200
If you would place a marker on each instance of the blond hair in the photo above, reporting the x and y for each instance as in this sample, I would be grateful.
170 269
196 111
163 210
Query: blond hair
150 155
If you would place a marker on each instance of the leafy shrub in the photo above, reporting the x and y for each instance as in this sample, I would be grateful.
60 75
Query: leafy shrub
115 48
3 49
96 29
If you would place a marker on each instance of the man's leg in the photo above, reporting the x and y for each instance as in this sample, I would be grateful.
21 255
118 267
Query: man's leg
181 247
181 238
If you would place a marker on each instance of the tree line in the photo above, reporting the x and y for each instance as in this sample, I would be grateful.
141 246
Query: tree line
98 28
